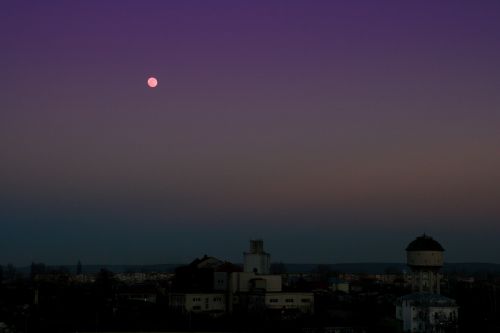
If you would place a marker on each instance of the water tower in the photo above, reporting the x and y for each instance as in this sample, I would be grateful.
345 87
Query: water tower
425 258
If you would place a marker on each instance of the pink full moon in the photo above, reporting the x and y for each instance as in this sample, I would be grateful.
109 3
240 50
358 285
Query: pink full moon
152 82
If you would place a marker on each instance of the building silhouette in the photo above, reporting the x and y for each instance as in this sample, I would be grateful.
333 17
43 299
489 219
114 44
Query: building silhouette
425 310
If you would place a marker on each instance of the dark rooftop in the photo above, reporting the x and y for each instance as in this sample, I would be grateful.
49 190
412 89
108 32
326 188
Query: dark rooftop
424 243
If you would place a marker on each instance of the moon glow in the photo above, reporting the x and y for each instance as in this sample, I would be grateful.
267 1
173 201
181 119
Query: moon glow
152 82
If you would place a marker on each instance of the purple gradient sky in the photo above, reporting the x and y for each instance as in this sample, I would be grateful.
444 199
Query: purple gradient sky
328 124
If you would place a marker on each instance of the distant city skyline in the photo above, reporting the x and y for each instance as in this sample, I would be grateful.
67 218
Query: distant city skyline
337 131
344 247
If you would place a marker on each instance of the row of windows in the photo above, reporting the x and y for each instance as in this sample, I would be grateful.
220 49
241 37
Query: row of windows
215 299
289 300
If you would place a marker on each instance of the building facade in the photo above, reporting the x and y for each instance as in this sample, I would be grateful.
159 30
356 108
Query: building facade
197 302
424 312
257 260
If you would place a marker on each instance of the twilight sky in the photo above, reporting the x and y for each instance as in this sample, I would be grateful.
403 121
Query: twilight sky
335 130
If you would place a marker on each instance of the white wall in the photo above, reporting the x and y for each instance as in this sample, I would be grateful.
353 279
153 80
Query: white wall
425 258
257 262
241 282
289 300
198 302
416 318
